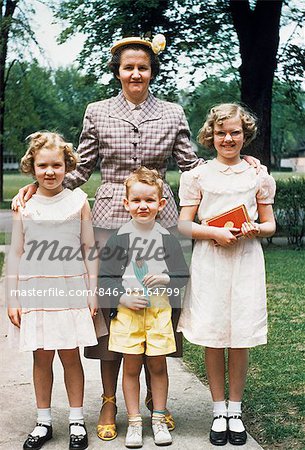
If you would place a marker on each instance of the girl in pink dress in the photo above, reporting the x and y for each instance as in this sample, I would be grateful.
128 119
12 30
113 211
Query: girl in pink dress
225 301
52 276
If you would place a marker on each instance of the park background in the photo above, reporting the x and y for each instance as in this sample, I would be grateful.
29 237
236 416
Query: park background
217 51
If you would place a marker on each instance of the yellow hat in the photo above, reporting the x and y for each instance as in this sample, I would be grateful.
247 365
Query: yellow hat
157 44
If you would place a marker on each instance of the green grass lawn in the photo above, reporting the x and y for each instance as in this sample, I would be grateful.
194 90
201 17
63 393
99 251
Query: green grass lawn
274 401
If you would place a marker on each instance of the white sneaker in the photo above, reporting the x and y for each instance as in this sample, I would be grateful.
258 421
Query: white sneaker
161 434
134 436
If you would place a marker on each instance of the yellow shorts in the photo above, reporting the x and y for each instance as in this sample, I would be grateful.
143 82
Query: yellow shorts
148 331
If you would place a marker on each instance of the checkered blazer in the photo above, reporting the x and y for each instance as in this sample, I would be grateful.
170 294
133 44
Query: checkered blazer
122 144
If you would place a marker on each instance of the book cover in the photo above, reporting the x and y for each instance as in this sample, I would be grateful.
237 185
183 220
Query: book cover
234 218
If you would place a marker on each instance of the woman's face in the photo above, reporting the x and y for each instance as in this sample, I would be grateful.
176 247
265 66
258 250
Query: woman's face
135 75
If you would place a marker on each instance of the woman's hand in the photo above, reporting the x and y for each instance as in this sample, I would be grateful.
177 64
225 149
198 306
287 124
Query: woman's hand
225 237
134 301
254 162
24 194
250 229
14 315
151 280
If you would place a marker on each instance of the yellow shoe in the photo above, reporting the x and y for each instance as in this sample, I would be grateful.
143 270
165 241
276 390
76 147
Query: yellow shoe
170 422
107 432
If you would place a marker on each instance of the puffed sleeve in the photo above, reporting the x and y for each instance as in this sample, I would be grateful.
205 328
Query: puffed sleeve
189 189
88 151
266 190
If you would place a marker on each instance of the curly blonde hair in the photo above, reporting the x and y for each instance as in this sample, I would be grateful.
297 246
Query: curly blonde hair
51 141
224 111
146 176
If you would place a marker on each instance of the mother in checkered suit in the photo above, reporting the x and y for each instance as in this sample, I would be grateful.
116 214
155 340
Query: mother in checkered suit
123 133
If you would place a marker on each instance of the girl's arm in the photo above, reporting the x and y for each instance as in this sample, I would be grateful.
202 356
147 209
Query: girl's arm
266 227
186 225
13 261
90 256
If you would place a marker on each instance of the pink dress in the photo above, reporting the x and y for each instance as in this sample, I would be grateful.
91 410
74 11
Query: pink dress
225 300
52 286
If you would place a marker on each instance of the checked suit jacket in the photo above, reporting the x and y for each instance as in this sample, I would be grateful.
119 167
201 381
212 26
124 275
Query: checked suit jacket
122 144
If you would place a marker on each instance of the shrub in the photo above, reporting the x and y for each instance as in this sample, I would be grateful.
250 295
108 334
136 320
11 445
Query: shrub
290 209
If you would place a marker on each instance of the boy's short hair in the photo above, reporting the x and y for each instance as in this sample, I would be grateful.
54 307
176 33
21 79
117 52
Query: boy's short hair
51 141
222 112
146 176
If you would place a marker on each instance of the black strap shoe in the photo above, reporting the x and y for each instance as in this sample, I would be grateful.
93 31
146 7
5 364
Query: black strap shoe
79 441
218 437
236 437
36 442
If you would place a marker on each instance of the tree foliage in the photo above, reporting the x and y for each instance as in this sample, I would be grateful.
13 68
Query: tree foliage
14 27
222 36
39 99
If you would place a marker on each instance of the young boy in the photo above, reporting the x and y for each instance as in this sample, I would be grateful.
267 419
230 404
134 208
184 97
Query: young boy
142 270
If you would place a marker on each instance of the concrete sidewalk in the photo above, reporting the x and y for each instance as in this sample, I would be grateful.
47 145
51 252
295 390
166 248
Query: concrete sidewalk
189 400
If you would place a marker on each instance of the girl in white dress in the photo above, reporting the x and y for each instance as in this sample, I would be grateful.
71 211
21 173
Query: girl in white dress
225 301
52 275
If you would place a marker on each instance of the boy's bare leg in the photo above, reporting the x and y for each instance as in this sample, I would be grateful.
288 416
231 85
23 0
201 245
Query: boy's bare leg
132 366
159 381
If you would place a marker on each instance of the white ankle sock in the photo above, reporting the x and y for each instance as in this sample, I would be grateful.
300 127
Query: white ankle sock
76 415
44 417
134 419
234 409
220 408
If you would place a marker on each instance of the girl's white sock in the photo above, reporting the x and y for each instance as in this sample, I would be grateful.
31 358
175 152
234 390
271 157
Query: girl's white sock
219 409
44 417
76 415
234 409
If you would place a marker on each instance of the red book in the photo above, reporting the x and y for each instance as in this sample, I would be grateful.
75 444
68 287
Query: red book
230 219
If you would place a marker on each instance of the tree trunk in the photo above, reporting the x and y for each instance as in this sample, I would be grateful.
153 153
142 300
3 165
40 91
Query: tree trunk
5 26
258 34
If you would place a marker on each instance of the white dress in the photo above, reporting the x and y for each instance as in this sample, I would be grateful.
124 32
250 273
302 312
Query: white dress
225 300
52 287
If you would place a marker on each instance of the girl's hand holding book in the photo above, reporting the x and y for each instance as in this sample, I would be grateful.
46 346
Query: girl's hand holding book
225 237
250 229
134 301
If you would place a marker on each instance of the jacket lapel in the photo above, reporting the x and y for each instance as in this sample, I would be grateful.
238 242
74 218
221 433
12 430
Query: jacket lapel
119 109
151 110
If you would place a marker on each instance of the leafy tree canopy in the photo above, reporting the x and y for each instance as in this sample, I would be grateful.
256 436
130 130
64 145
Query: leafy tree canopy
200 34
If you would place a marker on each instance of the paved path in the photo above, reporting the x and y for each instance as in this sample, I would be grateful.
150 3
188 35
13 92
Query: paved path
189 400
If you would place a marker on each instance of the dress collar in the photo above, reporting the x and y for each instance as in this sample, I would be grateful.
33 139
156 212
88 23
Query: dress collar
236 168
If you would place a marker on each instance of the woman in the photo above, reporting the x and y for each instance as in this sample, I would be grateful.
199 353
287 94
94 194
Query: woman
125 132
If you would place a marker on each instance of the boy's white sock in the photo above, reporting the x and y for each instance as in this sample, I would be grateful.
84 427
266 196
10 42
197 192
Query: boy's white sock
234 409
76 415
44 417
219 409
